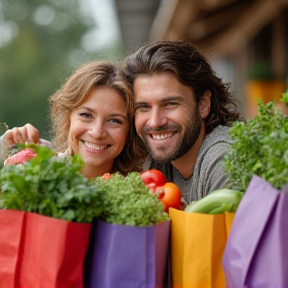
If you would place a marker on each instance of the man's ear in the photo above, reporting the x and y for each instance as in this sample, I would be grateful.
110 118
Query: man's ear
204 106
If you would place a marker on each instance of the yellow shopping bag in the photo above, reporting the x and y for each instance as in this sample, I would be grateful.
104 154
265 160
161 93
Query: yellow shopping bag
197 246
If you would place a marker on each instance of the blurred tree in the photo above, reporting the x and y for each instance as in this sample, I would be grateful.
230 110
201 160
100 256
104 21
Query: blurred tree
43 46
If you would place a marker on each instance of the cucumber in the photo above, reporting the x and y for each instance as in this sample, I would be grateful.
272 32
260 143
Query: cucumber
217 202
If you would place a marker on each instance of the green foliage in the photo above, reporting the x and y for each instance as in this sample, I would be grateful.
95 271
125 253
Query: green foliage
260 70
40 58
127 201
51 186
260 148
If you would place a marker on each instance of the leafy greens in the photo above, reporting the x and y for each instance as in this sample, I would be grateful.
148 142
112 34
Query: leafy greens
128 201
50 186
259 147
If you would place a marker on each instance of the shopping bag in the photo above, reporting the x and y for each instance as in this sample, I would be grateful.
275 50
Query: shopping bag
53 253
11 232
127 256
256 254
197 246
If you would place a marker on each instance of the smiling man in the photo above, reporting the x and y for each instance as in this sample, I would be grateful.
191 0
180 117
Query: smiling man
182 112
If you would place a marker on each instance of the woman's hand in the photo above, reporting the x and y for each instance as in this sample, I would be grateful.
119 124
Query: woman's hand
25 134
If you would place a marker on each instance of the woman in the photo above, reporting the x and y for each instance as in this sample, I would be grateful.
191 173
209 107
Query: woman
92 115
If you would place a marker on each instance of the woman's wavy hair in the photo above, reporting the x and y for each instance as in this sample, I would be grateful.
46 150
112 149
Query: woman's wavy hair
76 90
192 69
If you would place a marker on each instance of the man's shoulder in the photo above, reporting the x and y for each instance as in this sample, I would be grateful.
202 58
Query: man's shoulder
220 133
219 136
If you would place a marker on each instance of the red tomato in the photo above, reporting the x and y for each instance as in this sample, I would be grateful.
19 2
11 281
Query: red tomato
153 178
170 195
106 176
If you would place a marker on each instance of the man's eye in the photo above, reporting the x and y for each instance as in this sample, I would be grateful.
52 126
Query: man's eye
141 109
171 104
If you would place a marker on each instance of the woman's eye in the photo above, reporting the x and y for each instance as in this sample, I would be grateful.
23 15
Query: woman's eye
114 121
86 115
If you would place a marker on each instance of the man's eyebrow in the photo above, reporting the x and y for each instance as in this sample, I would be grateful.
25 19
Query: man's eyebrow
165 99
173 98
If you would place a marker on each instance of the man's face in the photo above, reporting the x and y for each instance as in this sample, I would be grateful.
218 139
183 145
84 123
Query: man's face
167 117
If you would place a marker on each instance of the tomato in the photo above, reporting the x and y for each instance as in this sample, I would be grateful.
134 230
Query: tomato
106 176
170 195
153 178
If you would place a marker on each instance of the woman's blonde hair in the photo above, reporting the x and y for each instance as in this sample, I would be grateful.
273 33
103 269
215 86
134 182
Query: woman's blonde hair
75 90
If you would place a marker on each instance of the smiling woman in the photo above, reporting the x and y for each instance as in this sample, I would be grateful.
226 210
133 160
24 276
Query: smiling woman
92 115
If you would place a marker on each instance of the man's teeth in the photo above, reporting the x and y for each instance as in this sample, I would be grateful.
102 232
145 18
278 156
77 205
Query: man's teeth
94 146
161 136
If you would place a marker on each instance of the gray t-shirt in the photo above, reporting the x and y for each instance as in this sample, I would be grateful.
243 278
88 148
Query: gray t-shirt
208 174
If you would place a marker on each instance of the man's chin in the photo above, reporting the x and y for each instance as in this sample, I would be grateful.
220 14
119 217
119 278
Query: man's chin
161 157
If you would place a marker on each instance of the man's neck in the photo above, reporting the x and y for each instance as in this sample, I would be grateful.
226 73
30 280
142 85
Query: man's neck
185 164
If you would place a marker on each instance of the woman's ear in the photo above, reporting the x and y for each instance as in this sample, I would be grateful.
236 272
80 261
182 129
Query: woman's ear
204 106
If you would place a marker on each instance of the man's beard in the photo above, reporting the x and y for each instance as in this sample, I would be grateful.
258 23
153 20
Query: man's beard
183 145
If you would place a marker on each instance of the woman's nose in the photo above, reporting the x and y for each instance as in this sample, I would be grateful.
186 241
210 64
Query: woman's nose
97 129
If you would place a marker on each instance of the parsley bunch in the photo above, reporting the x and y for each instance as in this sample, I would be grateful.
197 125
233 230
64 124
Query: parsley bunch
260 148
127 201
50 186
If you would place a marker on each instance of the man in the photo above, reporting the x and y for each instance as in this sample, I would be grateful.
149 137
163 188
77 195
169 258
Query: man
182 112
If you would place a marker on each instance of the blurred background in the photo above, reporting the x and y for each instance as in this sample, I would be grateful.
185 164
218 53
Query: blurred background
42 42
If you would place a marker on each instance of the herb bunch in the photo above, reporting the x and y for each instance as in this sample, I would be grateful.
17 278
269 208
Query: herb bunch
128 201
50 186
260 148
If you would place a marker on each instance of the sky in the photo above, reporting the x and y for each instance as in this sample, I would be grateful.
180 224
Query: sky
107 31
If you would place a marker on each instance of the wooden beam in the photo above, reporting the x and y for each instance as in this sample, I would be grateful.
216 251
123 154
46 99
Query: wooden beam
205 26
215 4
279 47
177 20
244 29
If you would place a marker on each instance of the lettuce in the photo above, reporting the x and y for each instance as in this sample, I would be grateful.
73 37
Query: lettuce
260 148
50 186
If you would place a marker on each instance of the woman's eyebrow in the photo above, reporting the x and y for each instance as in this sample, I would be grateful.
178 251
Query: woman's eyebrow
110 115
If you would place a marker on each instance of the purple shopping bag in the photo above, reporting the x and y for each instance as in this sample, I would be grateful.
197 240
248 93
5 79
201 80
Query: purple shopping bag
127 256
256 253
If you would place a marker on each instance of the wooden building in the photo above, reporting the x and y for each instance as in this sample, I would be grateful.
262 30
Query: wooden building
247 36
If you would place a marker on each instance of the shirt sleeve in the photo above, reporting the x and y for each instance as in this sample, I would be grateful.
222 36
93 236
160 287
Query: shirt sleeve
4 149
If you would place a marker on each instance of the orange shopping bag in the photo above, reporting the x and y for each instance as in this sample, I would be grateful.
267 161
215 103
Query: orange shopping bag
197 246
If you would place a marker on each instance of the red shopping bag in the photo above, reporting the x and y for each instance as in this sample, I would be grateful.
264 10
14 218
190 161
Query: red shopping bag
53 253
11 230
48 254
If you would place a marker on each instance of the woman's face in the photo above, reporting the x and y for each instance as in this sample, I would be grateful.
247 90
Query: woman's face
98 130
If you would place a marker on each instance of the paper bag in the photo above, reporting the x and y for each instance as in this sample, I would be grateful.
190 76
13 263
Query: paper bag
41 252
53 253
256 253
127 256
11 232
197 247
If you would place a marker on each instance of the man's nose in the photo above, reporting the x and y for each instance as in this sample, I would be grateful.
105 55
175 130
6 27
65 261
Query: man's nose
156 118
